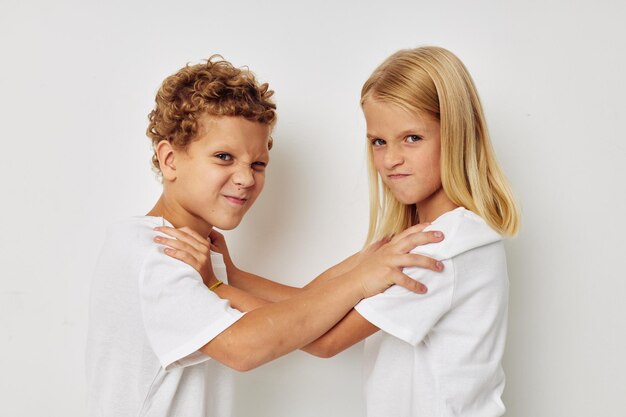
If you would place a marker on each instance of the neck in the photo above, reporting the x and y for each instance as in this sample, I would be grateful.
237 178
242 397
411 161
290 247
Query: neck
178 216
434 206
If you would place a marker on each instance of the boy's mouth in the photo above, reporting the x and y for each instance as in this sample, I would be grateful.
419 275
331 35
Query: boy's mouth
236 200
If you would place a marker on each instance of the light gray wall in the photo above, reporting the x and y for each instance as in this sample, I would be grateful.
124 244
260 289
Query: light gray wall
78 79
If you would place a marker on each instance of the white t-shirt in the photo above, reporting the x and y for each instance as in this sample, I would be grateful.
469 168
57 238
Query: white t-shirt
439 354
149 314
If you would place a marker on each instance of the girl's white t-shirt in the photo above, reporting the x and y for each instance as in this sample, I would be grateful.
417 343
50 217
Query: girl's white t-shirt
439 354
149 314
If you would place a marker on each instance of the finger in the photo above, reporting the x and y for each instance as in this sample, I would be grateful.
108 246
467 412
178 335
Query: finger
411 241
215 235
178 245
183 256
195 235
411 260
410 230
409 283
184 236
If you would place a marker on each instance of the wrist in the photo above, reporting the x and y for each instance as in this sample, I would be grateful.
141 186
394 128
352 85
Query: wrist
354 284
231 269
209 279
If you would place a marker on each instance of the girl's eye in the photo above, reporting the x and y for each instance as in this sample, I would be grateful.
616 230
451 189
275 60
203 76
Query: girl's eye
224 156
259 166
413 138
378 142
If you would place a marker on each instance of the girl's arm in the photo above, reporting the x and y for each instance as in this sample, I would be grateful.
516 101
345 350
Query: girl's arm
273 330
354 328
246 281
352 261
193 249
350 330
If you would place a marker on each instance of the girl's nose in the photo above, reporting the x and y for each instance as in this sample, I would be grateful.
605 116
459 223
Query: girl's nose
393 157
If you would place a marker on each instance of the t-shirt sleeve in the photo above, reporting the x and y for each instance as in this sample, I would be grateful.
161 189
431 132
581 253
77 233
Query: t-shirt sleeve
180 313
407 315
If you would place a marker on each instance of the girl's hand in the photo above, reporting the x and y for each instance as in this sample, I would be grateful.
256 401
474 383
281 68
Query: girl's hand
191 248
218 244
382 267
352 261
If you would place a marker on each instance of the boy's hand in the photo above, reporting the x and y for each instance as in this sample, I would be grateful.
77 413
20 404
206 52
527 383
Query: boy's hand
189 247
383 263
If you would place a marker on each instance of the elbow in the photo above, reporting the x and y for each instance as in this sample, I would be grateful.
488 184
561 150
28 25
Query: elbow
322 349
244 363
242 366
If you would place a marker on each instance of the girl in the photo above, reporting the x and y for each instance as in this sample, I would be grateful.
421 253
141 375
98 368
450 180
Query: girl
430 161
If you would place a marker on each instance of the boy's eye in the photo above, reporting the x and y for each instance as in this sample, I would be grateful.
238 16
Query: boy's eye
259 166
378 142
413 138
224 156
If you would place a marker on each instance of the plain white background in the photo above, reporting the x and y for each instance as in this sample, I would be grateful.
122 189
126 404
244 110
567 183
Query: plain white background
78 79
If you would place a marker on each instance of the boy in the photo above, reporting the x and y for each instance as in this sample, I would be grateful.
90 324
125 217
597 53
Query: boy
154 323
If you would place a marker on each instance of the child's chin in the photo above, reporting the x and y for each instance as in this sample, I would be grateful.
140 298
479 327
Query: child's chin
227 225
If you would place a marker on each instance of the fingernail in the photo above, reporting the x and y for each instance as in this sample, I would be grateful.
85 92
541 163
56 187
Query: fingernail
424 290
438 234
168 250
156 228
157 238
439 265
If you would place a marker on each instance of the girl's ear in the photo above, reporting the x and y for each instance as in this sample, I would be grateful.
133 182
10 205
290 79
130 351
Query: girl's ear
166 156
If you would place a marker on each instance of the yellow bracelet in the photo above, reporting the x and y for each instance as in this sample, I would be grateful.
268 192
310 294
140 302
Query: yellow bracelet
214 286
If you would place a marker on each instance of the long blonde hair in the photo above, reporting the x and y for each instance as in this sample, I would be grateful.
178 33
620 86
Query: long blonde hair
432 80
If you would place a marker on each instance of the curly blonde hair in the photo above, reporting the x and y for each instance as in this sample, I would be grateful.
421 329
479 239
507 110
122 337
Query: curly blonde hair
215 87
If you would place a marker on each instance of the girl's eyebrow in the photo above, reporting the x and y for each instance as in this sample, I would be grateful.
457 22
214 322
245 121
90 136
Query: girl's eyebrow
401 135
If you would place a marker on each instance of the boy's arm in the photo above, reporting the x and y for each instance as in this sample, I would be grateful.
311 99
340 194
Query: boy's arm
239 299
354 328
246 281
264 288
276 329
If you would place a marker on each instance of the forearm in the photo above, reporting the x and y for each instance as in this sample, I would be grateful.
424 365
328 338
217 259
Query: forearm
334 271
259 286
350 330
240 299
276 329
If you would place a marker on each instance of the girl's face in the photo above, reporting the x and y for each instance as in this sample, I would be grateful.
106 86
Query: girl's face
406 149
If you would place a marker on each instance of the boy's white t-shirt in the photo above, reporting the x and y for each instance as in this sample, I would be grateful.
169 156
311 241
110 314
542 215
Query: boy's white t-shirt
149 314
439 354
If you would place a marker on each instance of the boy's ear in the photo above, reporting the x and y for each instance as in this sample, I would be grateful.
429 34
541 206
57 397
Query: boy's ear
166 156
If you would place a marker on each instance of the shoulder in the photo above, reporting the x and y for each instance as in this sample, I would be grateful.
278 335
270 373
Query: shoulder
136 226
463 231
134 232
130 239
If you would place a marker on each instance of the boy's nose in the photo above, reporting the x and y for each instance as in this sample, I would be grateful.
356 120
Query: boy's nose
243 176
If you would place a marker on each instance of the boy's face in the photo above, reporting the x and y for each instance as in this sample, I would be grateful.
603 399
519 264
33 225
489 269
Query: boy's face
222 172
